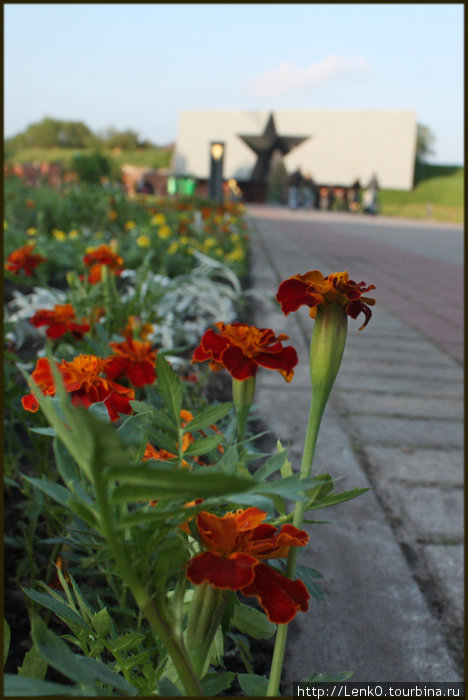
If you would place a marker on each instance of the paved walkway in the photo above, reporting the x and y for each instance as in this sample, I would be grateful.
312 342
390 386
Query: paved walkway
392 559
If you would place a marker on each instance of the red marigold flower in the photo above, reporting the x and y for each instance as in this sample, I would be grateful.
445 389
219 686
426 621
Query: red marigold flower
60 320
133 359
236 544
82 379
24 259
241 348
95 258
313 289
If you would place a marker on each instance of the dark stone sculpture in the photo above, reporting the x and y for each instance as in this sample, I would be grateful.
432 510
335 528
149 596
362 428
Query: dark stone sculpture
265 145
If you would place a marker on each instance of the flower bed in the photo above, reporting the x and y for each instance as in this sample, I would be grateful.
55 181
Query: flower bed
140 519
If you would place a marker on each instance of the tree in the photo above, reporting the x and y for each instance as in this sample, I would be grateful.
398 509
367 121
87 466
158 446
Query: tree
51 132
126 140
424 143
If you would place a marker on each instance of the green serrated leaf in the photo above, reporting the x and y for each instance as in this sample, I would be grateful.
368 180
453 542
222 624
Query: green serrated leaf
307 576
34 665
85 610
127 641
167 688
50 488
61 609
252 622
80 669
158 514
162 440
65 463
229 461
215 683
136 660
252 684
272 465
208 417
102 622
203 446
170 387
30 687
134 429
158 418
86 513
334 498
43 431
144 483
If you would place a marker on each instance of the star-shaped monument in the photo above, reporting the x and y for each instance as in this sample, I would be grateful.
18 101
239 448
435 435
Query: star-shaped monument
266 144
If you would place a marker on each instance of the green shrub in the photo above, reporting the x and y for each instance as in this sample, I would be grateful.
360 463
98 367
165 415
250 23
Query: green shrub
91 168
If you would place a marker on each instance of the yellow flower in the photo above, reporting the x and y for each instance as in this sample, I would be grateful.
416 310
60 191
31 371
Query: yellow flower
173 248
158 220
113 215
31 231
218 251
236 254
184 240
143 241
59 235
74 233
98 234
209 242
5 225
217 219
190 250
164 232
129 225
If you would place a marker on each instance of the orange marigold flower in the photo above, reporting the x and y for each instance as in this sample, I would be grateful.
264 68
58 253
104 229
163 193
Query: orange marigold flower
241 348
313 289
95 258
24 259
83 381
236 544
135 327
133 359
60 320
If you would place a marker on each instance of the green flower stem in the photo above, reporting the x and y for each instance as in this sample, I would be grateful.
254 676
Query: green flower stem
107 296
206 611
243 391
162 630
326 352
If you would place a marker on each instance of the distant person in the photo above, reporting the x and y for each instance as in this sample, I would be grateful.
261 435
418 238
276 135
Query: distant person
369 201
295 184
308 192
324 198
355 196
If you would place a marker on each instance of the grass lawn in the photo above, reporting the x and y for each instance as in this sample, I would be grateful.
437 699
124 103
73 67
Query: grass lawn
438 194
151 157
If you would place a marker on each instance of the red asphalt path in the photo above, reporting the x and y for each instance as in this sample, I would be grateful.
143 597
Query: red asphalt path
424 292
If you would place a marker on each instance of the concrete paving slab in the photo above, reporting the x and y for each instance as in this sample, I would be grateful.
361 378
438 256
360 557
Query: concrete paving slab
375 430
411 368
446 562
417 465
398 406
408 386
435 514
428 356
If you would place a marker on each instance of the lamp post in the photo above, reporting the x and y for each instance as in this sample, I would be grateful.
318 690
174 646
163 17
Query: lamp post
216 170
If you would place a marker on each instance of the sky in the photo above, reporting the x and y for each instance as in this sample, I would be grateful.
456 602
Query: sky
137 66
